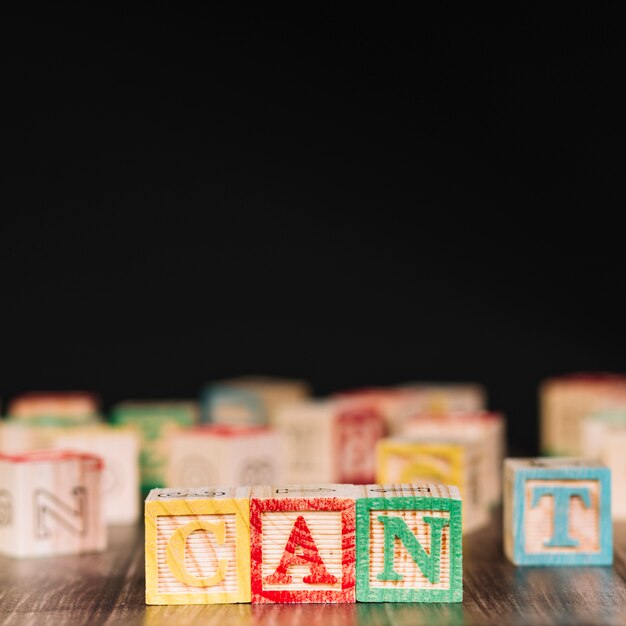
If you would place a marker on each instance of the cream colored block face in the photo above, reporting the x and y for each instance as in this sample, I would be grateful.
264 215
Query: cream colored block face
119 448
308 430
227 456
50 504
198 546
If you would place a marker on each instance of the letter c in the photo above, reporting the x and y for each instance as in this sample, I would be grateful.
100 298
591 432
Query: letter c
176 553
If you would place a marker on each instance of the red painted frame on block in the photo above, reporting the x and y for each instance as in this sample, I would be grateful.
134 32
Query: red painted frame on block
347 507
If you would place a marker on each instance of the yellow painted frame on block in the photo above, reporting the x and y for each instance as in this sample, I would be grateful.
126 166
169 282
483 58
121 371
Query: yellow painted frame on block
452 454
185 507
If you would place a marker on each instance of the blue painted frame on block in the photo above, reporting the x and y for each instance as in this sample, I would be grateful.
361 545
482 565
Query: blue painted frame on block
552 557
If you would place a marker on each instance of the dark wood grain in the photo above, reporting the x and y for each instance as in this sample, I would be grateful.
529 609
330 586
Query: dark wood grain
108 588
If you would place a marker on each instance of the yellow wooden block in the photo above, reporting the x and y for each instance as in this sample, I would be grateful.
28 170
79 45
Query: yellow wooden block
452 462
198 546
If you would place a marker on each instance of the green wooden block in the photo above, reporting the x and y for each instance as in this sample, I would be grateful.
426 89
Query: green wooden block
154 420
409 544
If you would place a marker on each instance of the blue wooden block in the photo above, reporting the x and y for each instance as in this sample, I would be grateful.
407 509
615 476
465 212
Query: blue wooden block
557 512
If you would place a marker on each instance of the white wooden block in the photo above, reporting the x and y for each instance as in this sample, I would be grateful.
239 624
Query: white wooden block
21 435
50 503
229 456
119 448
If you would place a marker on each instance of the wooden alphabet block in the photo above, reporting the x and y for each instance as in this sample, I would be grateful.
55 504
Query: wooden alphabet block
567 400
330 441
198 546
488 429
557 512
249 400
302 539
119 448
72 405
451 461
50 504
155 422
224 455
409 543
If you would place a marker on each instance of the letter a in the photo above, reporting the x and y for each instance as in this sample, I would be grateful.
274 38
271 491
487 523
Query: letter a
429 564
300 537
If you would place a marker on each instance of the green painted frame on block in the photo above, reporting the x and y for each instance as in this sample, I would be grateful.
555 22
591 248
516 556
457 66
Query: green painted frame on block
366 593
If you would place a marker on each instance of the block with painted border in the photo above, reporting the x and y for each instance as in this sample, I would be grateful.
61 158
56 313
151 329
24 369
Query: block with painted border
409 543
330 441
565 401
303 543
487 428
557 511
119 448
77 406
450 460
155 422
229 456
249 399
198 546
50 504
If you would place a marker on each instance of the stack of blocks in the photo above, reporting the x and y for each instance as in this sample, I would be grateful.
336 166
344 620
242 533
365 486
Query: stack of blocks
557 512
304 543
50 503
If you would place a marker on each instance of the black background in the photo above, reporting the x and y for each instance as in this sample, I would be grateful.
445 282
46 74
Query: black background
356 199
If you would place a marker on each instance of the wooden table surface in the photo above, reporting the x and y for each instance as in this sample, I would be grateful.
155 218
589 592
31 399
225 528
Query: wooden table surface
108 588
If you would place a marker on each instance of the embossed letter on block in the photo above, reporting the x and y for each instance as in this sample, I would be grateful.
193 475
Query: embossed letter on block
303 543
50 503
198 546
409 543
557 512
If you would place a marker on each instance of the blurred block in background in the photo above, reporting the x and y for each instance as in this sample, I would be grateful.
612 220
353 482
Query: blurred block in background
119 448
230 456
448 460
198 546
249 399
488 429
155 421
303 543
50 503
398 404
604 439
71 405
565 401
330 440
409 543
557 512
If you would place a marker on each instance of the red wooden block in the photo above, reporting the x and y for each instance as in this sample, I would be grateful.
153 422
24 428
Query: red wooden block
302 541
